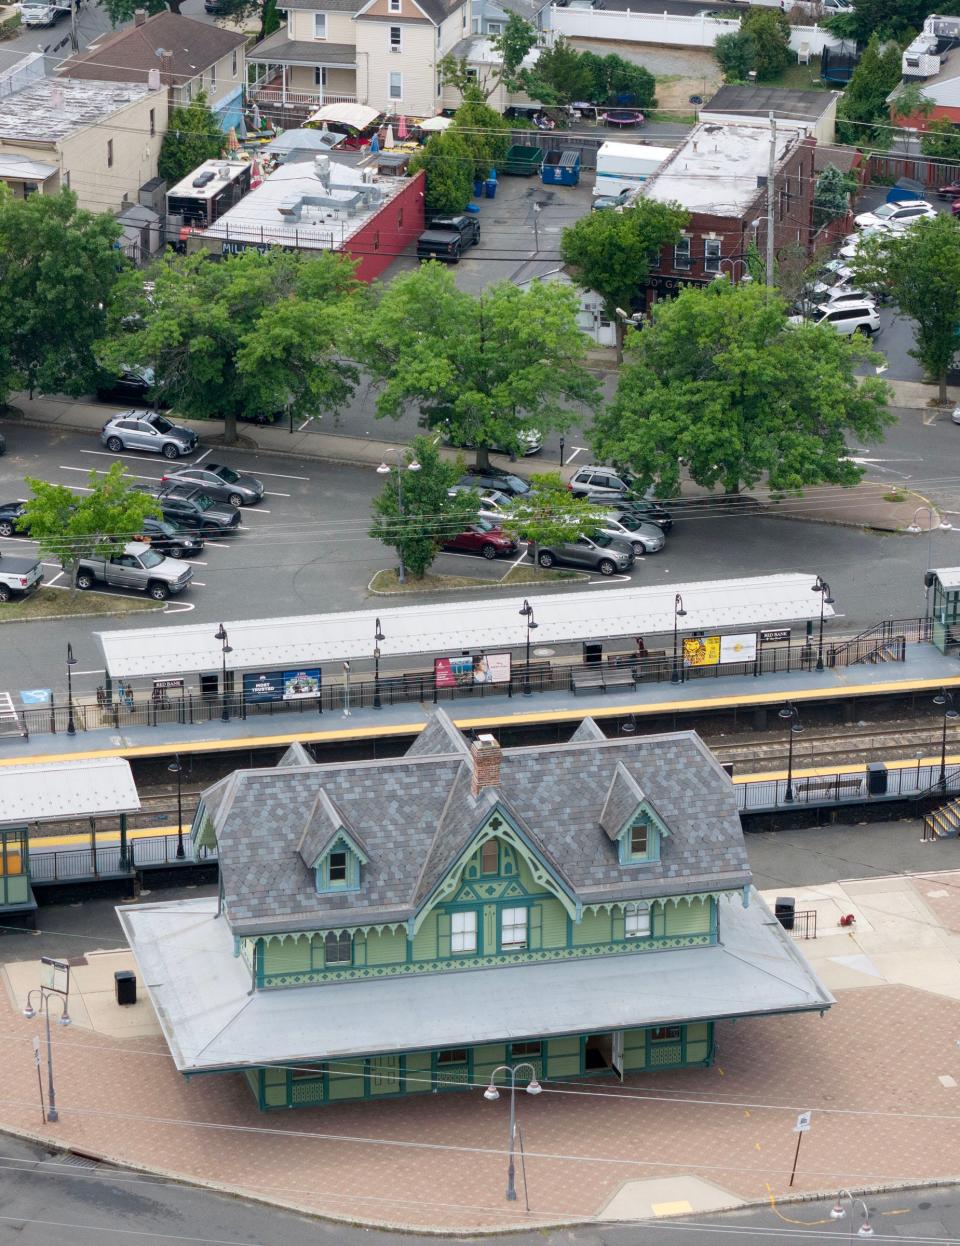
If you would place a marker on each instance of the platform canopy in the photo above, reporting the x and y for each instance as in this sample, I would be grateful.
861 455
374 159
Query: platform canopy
449 627
50 791
186 954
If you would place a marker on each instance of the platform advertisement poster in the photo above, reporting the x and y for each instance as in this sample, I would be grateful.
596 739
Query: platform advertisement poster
298 684
701 650
491 668
262 686
742 648
453 672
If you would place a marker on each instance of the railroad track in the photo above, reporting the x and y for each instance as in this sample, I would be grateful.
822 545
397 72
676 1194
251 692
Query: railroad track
835 746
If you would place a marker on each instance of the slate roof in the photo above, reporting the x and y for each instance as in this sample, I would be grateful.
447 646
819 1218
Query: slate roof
436 10
415 814
623 797
128 55
296 755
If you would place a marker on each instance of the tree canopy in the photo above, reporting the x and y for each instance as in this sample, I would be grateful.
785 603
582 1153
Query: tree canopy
762 44
563 74
431 515
550 513
482 130
863 113
58 267
510 47
831 194
920 271
940 140
96 524
193 136
481 369
609 252
890 19
251 333
721 381
449 165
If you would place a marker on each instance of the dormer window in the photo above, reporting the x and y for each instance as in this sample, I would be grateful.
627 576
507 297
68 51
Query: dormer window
640 843
338 869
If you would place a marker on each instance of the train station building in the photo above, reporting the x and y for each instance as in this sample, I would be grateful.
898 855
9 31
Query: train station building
408 925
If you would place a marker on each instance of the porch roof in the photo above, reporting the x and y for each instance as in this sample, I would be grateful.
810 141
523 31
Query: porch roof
278 49
200 991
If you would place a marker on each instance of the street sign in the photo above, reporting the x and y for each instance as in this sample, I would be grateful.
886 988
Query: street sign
771 634
803 1123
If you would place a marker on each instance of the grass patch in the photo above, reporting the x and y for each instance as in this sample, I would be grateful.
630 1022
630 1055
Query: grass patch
895 495
800 77
48 603
386 581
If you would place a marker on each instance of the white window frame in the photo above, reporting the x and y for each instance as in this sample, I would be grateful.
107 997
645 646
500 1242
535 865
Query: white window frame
320 21
319 75
463 932
636 921
494 28
711 255
390 94
396 46
394 6
513 929
682 258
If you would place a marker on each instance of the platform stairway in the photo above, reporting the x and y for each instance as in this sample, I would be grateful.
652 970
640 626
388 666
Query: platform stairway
10 723
942 823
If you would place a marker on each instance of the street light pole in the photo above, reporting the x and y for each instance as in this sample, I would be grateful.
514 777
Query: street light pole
383 470
30 1012
492 1094
177 769
951 714
225 648
526 611
823 588
377 637
678 613
71 725
790 714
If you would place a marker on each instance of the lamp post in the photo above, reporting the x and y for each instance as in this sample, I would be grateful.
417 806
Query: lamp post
30 1012
71 725
839 1212
678 613
492 1094
790 714
225 648
733 261
526 612
384 470
377 637
823 588
914 528
950 714
177 769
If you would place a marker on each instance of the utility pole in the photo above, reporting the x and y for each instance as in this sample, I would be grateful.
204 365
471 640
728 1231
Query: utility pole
74 41
771 190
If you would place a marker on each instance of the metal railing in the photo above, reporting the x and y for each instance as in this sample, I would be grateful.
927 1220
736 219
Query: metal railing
855 786
804 924
83 864
277 96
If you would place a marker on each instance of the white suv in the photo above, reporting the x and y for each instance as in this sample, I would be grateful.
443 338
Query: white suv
860 317
907 212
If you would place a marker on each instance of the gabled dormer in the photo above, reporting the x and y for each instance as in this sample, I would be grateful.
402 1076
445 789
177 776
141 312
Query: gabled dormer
332 849
631 820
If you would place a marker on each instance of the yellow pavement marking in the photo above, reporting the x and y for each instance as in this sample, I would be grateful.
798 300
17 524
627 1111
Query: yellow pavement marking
789 1219
102 837
680 1208
897 1211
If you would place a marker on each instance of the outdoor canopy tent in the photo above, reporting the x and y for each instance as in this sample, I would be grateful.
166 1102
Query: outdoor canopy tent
359 116
435 123
450 627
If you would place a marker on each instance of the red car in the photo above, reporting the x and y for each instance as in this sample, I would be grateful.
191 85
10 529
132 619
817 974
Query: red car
483 538
950 191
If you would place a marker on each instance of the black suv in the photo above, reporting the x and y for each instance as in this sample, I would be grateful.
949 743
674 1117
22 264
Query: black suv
167 538
483 478
191 508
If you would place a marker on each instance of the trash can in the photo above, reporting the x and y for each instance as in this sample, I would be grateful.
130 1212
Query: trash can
592 652
877 778
784 910
490 188
478 187
125 983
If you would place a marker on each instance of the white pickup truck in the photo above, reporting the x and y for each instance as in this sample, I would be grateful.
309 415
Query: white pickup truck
20 574
40 13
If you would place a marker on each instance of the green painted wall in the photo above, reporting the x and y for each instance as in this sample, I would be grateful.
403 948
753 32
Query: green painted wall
563 1057
692 918
346 1080
287 956
593 928
386 947
425 940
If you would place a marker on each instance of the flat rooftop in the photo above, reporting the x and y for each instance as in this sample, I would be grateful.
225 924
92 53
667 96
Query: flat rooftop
716 169
52 108
760 101
224 172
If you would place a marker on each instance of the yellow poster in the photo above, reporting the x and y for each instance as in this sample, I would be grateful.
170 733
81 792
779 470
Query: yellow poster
701 650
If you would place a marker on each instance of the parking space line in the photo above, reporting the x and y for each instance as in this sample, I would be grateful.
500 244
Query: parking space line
198 584
574 451
272 475
204 455
260 510
194 562
216 544
270 494
136 476
308 420
108 454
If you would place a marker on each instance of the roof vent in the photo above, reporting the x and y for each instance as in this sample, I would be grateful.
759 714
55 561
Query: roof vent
321 169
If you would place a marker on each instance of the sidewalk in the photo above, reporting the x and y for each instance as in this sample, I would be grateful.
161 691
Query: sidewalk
880 1072
864 506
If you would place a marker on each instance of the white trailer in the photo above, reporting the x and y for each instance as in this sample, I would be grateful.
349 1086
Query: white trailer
42 13
626 166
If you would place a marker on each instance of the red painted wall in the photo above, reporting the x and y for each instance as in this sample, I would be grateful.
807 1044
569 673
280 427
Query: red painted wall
390 231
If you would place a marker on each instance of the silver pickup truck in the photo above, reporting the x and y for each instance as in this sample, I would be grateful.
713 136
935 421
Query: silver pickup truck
20 574
138 567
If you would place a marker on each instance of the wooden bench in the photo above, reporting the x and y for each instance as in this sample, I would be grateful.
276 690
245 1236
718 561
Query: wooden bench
851 784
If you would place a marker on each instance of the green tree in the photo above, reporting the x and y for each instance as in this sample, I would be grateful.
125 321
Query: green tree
58 267
482 370
482 130
510 48
920 271
249 334
940 141
448 163
561 74
770 32
722 382
430 514
890 19
831 195
736 55
863 113
192 136
97 524
609 252
617 79
550 513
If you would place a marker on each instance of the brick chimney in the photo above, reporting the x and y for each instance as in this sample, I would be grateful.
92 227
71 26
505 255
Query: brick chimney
139 16
486 755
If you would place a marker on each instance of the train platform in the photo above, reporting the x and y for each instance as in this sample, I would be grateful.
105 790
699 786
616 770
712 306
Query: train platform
661 706
598 1152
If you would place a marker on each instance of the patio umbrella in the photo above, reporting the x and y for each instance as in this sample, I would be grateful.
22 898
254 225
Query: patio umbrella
233 143
388 139
432 124
402 129
256 175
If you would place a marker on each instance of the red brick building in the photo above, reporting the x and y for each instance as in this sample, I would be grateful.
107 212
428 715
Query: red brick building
719 174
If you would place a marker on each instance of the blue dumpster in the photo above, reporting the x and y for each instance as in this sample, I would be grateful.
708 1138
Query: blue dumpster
560 168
